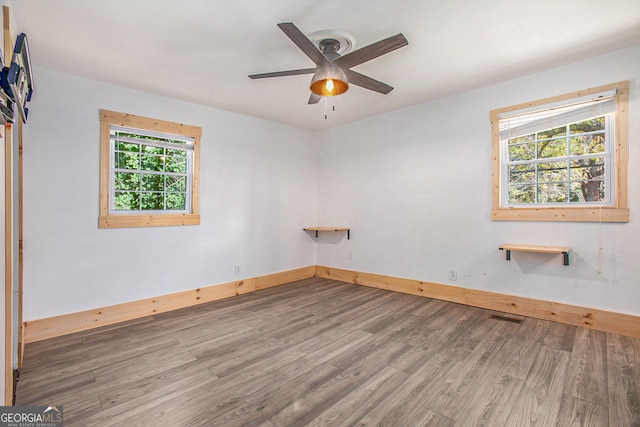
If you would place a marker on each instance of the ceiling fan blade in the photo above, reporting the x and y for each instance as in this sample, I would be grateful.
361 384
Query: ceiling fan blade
303 42
367 82
283 73
314 98
372 51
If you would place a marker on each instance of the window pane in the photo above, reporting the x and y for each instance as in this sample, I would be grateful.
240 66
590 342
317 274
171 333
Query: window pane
125 146
522 193
552 171
152 162
176 201
522 173
153 150
152 182
125 160
553 133
591 125
522 151
176 183
127 181
552 148
590 175
523 139
587 191
152 201
587 169
587 144
552 193
176 164
176 153
127 201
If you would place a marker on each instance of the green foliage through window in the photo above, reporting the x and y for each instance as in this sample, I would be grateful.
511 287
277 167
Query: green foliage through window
150 173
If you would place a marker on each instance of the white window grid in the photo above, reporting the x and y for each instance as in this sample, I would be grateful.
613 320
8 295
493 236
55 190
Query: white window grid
606 155
169 141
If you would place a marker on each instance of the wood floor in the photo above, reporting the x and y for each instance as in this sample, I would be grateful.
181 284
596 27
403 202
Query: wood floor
320 352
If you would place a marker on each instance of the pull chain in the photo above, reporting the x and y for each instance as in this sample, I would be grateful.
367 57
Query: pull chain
333 107
325 107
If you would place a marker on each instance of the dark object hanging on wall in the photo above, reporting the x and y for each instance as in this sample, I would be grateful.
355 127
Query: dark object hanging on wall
6 103
20 76
17 82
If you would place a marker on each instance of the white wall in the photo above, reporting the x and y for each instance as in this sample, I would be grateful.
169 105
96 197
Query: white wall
258 189
415 185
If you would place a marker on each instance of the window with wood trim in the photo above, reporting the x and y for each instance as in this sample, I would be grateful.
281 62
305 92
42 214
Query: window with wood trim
149 172
563 158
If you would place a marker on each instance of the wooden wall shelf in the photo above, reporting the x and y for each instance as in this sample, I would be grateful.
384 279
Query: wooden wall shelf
564 250
316 229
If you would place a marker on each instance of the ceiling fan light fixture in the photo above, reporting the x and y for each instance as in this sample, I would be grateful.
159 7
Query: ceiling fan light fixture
329 81
331 52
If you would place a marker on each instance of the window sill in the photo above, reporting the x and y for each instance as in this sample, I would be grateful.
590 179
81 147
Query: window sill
159 220
577 214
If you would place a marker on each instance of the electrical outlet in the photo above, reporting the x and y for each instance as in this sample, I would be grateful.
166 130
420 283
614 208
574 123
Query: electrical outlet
349 255
236 269
453 274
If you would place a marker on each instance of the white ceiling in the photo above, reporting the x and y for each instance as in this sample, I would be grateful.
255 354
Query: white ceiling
202 51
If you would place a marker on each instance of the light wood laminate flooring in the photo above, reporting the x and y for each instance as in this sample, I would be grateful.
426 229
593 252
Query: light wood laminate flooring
319 352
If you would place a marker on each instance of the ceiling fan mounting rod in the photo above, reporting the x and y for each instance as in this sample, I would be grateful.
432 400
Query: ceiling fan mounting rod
330 48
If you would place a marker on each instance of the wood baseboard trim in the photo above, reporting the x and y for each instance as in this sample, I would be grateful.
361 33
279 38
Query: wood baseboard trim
41 329
278 279
606 321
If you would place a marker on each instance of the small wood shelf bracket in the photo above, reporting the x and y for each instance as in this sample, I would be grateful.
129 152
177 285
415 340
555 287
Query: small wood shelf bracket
317 229
564 250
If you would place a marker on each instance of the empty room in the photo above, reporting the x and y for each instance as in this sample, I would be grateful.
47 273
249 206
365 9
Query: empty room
291 213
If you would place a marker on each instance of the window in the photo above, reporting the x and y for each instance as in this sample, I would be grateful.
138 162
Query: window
562 158
149 172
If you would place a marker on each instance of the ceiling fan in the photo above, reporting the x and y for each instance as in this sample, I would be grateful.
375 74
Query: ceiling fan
332 74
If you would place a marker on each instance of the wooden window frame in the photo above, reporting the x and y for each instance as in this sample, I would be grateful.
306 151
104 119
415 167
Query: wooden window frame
131 220
618 212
